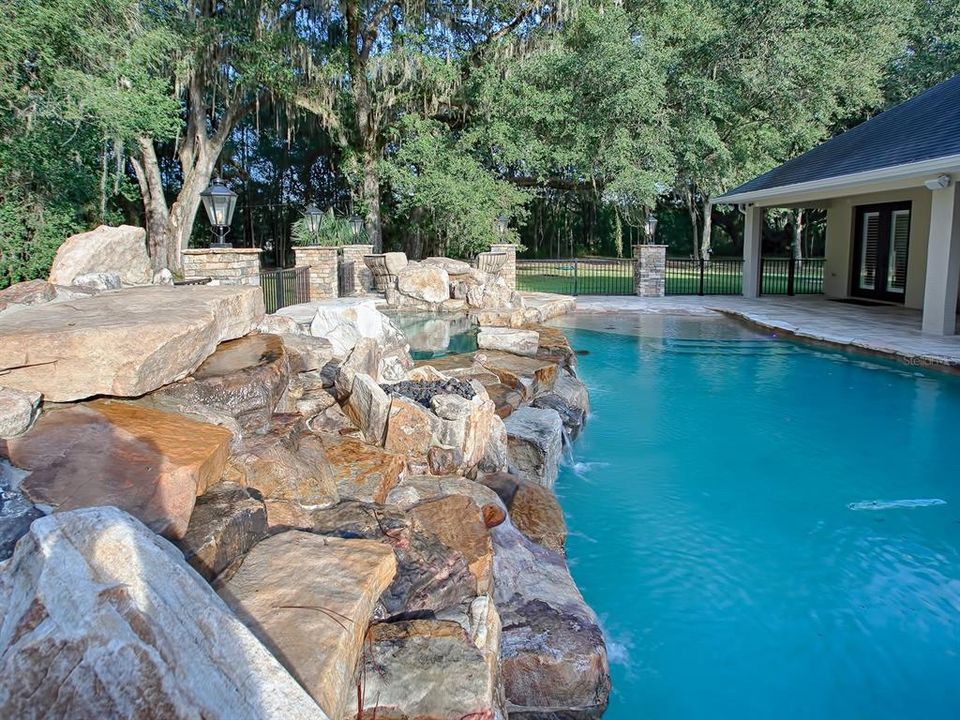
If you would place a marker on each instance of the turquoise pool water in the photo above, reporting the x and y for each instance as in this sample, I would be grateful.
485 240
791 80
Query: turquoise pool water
723 525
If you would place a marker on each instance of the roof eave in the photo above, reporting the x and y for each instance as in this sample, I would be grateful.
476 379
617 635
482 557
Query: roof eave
906 175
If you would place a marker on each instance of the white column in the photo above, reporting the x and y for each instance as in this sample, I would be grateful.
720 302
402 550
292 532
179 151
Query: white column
943 263
753 224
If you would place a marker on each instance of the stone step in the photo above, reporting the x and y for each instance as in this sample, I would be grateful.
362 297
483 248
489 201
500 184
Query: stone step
104 619
124 342
150 463
310 599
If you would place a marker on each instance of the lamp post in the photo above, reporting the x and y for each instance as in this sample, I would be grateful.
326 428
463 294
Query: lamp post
651 228
219 202
356 224
500 225
312 215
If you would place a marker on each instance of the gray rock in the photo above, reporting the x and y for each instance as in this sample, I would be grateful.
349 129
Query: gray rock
16 512
99 280
369 408
18 410
518 342
104 619
534 444
226 522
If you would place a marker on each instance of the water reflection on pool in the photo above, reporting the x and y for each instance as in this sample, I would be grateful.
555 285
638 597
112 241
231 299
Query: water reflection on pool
433 335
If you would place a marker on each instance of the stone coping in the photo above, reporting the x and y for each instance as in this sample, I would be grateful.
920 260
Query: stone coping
888 331
222 251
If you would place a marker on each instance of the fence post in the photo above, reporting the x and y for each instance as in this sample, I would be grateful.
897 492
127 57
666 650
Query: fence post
791 272
576 277
701 265
650 270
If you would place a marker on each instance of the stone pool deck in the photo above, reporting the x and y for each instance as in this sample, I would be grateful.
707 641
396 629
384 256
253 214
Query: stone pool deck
884 329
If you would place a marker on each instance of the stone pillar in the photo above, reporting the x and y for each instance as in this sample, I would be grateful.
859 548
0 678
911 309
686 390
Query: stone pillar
509 271
322 262
224 266
752 247
355 277
943 263
650 270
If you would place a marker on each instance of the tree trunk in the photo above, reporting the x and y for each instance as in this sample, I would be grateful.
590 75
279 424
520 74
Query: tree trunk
707 236
371 200
798 235
694 224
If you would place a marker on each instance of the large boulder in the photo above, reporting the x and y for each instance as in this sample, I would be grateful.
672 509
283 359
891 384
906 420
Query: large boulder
535 444
150 463
368 406
309 599
104 619
431 575
535 511
18 410
124 343
424 283
553 658
117 250
453 267
244 378
343 321
531 375
434 669
279 466
358 470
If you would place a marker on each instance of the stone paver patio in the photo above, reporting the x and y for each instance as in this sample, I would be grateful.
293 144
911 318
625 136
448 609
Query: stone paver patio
888 330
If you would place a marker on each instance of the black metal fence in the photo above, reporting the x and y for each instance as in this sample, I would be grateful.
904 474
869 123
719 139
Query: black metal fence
694 276
285 287
791 276
577 276
684 276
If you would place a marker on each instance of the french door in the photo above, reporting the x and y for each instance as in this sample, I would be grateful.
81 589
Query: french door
881 242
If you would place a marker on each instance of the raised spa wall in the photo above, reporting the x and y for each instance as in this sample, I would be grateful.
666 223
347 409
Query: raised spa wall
225 474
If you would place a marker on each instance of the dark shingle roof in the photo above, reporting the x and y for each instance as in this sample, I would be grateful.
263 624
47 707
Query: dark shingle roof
922 128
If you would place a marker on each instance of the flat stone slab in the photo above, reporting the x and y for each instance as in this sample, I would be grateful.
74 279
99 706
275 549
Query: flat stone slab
518 342
104 619
533 375
124 342
309 599
150 463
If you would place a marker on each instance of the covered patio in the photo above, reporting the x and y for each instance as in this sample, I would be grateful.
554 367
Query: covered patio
888 330
893 211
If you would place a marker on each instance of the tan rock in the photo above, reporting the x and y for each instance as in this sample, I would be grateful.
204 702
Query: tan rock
282 465
125 342
18 410
368 407
453 267
411 429
536 513
460 524
309 599
121 250
518 342
104 619
359 471
531 375
395 261
305 352
244 378
150 463
427 283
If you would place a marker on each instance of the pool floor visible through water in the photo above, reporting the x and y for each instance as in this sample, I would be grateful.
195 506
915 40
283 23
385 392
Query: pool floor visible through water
723 525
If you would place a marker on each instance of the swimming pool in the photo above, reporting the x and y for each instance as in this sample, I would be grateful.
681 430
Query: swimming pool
723 525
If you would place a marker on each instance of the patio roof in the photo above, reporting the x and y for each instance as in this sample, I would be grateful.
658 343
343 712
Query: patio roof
917 139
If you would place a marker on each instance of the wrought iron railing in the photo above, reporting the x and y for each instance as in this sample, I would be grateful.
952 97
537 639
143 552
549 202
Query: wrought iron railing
577 276
791 276
282 287
695 276
684 276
